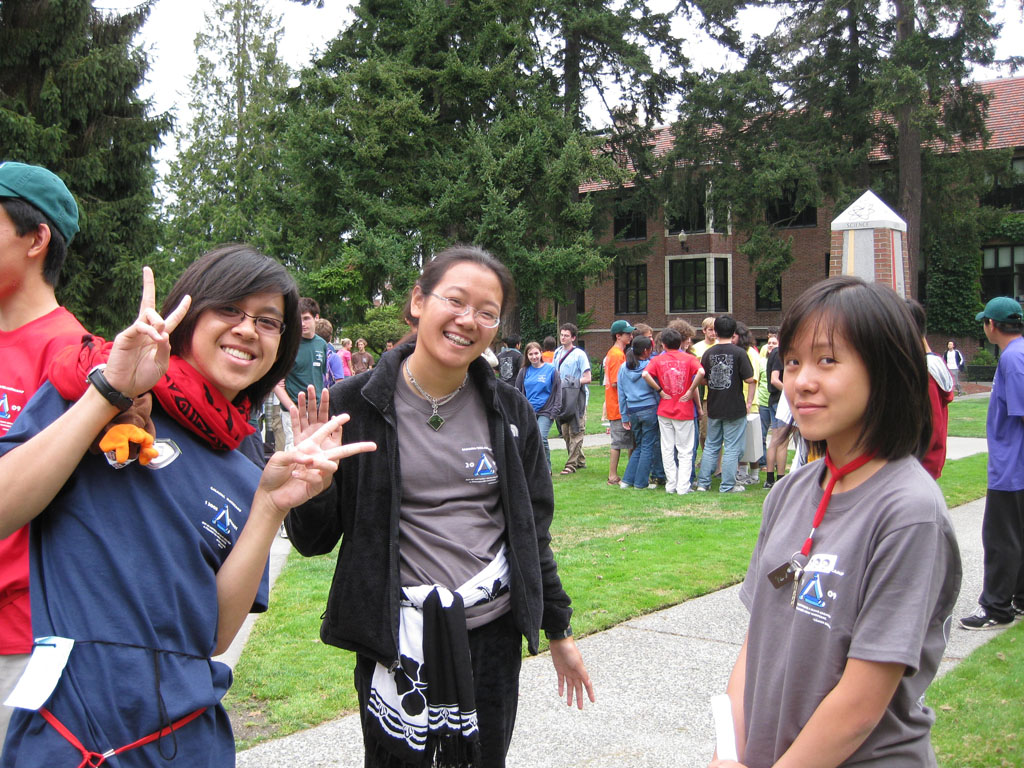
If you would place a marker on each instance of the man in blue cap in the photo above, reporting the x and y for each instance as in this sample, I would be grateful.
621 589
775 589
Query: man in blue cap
1002 529
38 218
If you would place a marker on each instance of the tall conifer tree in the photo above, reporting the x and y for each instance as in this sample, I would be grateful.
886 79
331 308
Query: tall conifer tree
226 182
69 79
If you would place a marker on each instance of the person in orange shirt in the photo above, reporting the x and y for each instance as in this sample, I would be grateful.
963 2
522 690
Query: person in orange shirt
548 349
622 335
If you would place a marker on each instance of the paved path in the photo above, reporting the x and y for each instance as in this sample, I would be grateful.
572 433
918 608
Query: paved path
653 678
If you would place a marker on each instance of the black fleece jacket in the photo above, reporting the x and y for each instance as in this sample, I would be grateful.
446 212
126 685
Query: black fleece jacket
361 508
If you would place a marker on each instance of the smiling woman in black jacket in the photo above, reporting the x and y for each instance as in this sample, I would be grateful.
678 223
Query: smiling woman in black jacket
445 563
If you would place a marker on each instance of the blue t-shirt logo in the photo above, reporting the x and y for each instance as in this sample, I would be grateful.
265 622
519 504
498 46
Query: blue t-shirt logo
484 468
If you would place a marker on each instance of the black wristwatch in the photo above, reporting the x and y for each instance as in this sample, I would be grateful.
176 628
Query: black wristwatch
567 632
117 399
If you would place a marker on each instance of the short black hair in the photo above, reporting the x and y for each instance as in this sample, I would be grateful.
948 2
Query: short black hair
226 275
26 217
671 338
725 327
549 344
877 325
309 305
917 312
571 328
1009 327
512 340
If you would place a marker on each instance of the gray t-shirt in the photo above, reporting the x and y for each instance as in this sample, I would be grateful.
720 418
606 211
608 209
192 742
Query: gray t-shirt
883 576
452 523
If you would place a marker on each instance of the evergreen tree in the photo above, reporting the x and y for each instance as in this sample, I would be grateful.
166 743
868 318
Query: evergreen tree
427 123
833 83
69 77
226 182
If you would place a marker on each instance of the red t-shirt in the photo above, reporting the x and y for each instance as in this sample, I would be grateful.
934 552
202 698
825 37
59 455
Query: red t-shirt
26 354
674 371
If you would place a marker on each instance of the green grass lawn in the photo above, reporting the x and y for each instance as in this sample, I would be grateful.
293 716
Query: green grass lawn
980 708
967 418
603 538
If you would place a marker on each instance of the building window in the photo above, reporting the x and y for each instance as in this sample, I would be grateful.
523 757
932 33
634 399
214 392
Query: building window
768 295
689 287
691 218
1002 271
630 225
631 289
1008 192
782 211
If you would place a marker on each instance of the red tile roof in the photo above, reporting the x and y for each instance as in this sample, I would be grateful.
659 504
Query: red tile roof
1005 121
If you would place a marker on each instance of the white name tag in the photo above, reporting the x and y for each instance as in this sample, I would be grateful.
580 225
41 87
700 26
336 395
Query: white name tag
725 732
49 657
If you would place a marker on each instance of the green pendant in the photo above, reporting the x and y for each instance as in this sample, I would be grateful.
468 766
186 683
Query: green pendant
436 421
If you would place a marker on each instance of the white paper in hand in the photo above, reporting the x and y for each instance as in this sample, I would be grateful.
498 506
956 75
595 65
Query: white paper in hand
725 733
49 657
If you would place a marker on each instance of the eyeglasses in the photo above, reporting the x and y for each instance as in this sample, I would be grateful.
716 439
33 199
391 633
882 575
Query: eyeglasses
234 315
459 308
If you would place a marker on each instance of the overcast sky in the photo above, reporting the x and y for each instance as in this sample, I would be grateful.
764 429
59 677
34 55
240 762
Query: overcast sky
169 37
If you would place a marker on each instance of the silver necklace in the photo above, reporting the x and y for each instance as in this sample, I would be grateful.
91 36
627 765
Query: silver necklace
435 421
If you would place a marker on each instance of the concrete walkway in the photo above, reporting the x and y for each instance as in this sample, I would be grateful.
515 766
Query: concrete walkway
653 678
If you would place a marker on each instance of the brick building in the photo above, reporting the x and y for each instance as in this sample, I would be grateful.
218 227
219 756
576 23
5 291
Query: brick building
701 272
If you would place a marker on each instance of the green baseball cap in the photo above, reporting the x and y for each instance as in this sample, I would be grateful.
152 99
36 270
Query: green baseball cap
43 189
622 326
1002 309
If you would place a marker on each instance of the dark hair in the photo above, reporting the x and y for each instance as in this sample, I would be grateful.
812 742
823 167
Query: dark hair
746 338
877 326
1009 327
512 340
636 350
309 305
917 312
26 218
526 352
572 329
435 270
549 344
671 338
226 275
725 327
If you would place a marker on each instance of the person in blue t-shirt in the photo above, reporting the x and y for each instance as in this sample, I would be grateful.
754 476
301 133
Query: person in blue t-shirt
542 385
1002 528
150 570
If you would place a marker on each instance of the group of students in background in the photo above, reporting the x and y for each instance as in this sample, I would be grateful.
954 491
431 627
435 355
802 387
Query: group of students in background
663 398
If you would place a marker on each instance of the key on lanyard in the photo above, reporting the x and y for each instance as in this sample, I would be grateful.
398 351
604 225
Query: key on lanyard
798 573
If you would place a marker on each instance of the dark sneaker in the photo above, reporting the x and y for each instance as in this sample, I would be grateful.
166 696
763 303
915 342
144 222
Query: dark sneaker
768 483
1018 608
981 619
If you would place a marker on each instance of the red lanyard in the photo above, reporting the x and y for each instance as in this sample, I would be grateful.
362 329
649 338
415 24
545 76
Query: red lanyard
835 474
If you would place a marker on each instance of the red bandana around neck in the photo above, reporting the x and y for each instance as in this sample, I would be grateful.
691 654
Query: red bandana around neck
183 393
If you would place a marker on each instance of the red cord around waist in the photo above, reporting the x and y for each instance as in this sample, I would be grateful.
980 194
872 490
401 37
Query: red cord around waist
95 759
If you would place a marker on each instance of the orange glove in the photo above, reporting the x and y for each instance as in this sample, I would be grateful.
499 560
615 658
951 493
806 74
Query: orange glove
126 439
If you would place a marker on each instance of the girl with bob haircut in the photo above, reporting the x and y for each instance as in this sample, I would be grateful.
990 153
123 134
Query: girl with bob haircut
149 567
445 561
856 569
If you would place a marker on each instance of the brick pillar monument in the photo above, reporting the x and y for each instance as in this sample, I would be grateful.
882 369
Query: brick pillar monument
869 240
